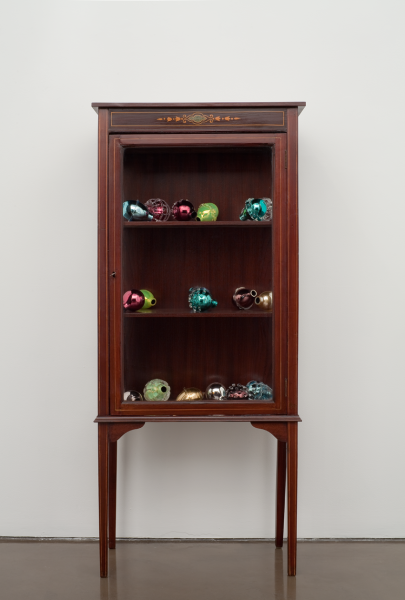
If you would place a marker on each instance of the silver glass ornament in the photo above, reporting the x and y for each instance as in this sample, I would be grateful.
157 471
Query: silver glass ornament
136 211
257 209
259 391
216 392
133 396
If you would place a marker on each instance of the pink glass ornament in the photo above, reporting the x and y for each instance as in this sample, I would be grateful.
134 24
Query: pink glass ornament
133 300
183 210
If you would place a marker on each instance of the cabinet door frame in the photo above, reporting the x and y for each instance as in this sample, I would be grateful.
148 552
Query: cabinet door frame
117 145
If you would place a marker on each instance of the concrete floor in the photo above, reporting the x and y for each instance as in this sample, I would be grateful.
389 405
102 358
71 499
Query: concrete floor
202 571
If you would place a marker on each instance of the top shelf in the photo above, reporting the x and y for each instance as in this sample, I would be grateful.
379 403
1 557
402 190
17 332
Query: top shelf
136 224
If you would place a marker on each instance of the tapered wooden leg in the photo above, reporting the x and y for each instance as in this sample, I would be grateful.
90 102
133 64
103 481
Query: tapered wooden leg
292 464
112 493
280 491
103 496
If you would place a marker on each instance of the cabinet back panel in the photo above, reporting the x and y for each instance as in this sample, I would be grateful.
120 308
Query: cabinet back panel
168 262
196 352
225 176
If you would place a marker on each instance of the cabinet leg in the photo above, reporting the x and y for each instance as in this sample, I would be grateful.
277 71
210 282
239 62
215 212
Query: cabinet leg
292 464
280 491
112 493
103 496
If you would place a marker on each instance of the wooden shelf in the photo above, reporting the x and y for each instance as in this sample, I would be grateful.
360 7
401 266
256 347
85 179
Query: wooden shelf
208 224
213 313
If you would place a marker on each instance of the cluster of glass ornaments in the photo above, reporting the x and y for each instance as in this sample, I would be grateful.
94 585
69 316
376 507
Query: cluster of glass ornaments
158 390
134 300
156 209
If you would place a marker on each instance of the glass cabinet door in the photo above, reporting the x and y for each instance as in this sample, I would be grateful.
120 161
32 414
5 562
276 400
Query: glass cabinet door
241 262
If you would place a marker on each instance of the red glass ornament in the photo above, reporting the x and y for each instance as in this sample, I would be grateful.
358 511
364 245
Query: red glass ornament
183 210
244 298
133 300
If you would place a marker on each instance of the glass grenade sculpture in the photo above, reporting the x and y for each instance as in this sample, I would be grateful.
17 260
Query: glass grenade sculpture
133 300
265 301
259 391
157 390
257 209
244 298
183 210
216 392
150 299
190 395
133 396
237 392
207 212
136 211
159 209
199 299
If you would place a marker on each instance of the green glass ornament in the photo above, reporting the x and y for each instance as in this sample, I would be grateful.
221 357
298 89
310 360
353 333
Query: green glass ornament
150 299
207 212
257 209
199 299
156 390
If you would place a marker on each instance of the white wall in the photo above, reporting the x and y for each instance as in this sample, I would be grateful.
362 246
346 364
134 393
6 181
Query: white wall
345 59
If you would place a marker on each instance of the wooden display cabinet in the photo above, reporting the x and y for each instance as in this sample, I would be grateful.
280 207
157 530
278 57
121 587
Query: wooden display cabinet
221 153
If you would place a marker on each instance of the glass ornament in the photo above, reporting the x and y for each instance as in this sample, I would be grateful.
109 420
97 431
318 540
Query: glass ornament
133 300
190 394
150 299
216 392
133 396
207 212
257 209
159 209
265 301
259 391
156 390
183 210
237 392
244 298
199 299
136 211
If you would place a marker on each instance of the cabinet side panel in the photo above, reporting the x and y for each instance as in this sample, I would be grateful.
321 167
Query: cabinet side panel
103 342
292 199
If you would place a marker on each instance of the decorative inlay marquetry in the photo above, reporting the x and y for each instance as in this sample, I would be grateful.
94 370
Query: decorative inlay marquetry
178 119
197 118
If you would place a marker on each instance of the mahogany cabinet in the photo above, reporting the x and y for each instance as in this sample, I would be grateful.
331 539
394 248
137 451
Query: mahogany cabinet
221 153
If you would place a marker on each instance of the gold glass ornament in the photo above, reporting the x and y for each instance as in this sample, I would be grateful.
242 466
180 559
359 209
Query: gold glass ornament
265 301
190 394
207 212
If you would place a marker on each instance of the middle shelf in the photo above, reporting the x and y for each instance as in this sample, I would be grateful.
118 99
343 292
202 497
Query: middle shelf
185 312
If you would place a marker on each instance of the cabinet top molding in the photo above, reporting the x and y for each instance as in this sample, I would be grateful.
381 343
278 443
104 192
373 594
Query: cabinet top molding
190 105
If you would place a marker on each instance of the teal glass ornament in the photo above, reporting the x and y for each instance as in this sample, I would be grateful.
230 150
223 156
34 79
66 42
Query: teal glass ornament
136 211
199 299
259 391
157 390
257 209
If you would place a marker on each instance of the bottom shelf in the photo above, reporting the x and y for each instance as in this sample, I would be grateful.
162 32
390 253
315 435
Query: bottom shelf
199 418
